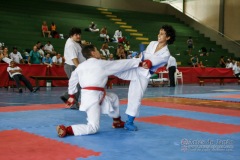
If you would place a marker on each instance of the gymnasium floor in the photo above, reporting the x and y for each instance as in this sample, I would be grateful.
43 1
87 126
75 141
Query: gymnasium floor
188 122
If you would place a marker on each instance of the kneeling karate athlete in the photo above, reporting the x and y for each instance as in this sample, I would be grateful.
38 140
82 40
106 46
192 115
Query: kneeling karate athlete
92 75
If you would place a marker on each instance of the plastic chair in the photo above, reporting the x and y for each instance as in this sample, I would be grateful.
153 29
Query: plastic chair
178 75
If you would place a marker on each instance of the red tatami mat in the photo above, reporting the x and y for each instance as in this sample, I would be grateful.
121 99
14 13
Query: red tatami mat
192 124
236 96
31 107
196 108
20 145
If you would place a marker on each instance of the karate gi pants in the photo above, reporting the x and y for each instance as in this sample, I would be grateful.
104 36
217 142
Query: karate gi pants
139 78
110 106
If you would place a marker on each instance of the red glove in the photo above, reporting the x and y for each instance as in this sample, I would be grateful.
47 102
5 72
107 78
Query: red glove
147 64
71 100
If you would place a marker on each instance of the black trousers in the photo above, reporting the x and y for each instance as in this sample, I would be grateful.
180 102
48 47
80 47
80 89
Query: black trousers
18 78
171 72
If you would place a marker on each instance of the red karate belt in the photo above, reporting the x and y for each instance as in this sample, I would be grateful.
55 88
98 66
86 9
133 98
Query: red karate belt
97 89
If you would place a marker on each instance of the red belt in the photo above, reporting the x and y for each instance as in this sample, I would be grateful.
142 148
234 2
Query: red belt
97 89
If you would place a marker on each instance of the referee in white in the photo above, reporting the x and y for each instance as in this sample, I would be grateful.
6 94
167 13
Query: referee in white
171 67
73 57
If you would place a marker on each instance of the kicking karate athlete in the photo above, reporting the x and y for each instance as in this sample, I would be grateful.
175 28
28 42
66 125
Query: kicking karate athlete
156 55
92 75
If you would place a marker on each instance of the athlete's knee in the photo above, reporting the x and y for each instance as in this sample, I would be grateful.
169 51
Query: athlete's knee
93 128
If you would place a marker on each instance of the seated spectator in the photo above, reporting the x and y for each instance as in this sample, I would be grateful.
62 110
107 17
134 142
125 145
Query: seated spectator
16 56
103 34
47 60
104 49
236 69
38 44
54 32
45 29
118 36
111 58
4 56
48 48
200 64
1 46
57 60
120 52
15 72
127 47
93 27
34 56
222 62
229 63
194 61
41 51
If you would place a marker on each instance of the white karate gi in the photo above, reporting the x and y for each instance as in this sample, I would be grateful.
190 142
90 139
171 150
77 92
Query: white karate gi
94 73
140 77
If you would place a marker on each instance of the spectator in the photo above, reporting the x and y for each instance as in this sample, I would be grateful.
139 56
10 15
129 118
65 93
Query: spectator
111 58
16 56
41 51
57 60
15 72
236 69
48 48
103 34
190 45
93 27
47 60
34 56
4 59
229 63
54 32
201 64
127 47
45 29
222 62
118 36
38 44
194 61
120 52
104 49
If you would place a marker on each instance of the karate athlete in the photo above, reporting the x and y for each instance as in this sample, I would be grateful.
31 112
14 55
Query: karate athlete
92 75
156 55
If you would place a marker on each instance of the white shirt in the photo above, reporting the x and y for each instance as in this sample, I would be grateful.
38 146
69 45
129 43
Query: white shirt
159 58
41 52
229 65
235 68
55 60
72 50
16 57
12 69
171 62
118 34
48 47
7 60
85 75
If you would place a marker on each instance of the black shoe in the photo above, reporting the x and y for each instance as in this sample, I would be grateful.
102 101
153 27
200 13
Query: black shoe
36 89
20 90
75 107
64 99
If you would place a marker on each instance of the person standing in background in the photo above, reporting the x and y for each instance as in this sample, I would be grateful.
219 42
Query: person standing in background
171 67
73 57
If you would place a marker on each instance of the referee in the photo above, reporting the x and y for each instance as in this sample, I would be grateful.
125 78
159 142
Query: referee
171 67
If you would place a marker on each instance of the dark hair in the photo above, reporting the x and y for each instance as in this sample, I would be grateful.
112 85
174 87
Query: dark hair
75 30
14 47
86 50
170 32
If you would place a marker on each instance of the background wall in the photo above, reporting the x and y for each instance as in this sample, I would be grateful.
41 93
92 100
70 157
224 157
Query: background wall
206 11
